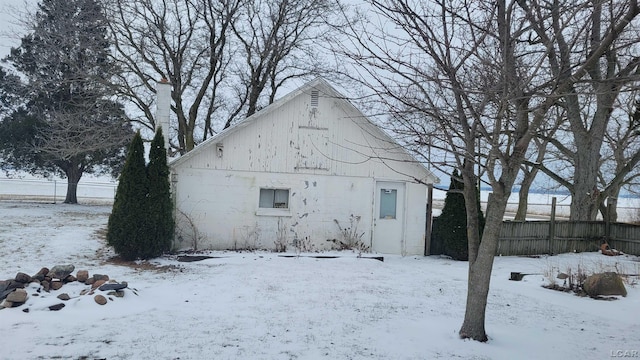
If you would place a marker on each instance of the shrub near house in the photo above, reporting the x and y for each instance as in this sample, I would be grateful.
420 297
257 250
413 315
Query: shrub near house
141 224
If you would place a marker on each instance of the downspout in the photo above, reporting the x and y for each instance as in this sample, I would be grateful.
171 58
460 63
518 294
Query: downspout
405 215
373 212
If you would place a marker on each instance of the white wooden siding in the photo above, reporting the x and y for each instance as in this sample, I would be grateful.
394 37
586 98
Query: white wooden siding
332 139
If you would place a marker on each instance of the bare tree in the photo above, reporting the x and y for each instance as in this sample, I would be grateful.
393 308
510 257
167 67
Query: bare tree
225 59
478 72
279 41
573 37
183 41
538 154
621 155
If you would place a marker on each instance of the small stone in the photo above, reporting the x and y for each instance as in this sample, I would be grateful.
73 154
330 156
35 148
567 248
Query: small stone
69 278
56 307
84 291
64 297
56 285
17 296
23 278
45 285
112 286
61 271
82 275
41 274
117 293
90 281
25 310
97 284
7 304
97 277
101 300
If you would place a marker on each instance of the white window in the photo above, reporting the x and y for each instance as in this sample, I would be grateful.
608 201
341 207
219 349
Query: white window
274 198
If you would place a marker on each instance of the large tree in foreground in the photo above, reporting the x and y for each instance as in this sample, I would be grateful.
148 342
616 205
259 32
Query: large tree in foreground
472 77
67 122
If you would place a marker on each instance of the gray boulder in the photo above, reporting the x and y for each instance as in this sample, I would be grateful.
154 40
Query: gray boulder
7 287
61 271
112 286
23 278
18 296
608 283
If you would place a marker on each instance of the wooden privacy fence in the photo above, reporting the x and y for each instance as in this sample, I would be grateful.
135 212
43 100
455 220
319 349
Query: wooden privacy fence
555 237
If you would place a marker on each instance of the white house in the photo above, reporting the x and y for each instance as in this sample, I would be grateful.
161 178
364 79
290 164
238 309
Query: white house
293 172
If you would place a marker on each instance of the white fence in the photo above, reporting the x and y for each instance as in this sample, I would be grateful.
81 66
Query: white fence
89 191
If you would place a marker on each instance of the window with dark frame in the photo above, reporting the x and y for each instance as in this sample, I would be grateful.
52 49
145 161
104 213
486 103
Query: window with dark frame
274 198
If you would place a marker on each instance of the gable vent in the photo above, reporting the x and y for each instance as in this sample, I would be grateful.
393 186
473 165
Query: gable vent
314 98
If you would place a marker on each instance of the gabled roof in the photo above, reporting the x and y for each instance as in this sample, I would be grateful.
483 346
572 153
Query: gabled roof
317 84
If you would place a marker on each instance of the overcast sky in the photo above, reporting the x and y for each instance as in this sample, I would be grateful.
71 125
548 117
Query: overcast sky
10 32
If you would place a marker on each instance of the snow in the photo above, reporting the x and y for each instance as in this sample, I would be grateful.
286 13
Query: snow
258 305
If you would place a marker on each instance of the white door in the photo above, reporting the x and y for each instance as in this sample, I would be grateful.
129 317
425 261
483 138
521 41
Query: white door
388 218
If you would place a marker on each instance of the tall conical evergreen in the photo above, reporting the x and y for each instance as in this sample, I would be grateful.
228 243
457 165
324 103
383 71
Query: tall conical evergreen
127 229
160 206
452 223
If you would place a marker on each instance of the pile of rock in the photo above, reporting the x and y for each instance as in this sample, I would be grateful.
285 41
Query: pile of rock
13 292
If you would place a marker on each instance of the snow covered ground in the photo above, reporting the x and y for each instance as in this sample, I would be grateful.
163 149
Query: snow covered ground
263 306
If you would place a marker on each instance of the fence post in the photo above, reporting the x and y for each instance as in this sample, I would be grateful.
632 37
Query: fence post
55 190
607 221
552 225
427 235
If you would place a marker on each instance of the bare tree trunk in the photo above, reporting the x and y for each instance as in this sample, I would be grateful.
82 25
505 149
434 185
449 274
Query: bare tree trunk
585 196
523 195
531 171
74 174
480 268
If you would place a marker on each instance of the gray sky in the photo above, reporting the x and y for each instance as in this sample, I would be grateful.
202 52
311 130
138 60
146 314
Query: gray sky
10 32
